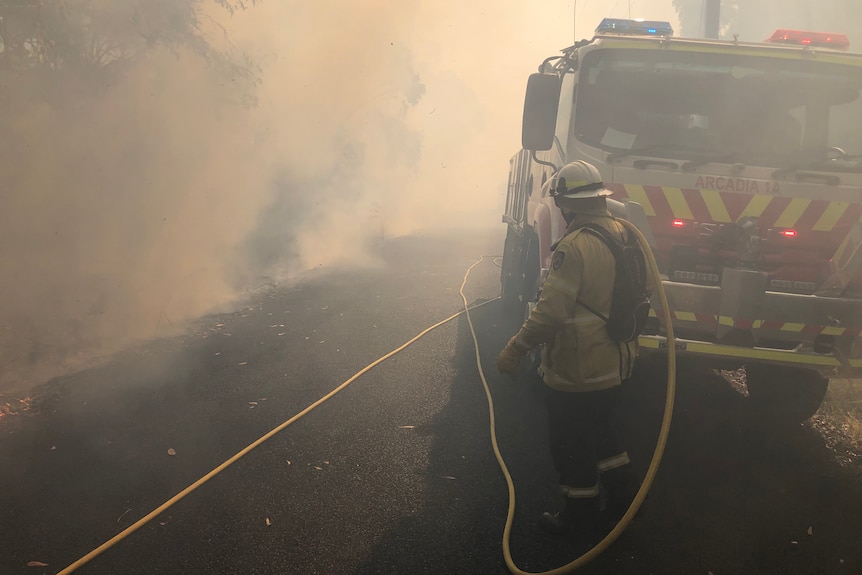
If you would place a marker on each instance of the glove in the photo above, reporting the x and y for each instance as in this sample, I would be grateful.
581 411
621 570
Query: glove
509 358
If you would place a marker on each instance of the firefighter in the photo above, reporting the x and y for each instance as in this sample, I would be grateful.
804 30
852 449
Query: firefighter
581 366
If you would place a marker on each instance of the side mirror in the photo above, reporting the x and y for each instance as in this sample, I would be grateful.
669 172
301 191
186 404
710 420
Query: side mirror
540 112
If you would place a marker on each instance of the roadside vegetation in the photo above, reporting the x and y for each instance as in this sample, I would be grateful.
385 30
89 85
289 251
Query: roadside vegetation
111 111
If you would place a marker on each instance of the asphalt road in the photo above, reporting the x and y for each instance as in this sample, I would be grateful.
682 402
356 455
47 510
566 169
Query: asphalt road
395 474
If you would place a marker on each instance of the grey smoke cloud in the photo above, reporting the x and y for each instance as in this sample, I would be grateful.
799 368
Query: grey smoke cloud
127 214
756 20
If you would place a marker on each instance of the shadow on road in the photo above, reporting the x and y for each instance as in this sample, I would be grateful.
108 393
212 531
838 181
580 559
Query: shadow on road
733 495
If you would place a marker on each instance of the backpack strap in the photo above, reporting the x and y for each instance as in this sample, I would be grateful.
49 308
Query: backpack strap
613 245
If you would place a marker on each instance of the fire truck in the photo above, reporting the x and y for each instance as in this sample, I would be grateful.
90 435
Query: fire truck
741 163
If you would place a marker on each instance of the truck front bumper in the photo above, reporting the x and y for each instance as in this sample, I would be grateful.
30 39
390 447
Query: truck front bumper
741 321
721 355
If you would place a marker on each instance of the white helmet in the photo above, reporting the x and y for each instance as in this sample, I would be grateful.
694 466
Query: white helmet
579 180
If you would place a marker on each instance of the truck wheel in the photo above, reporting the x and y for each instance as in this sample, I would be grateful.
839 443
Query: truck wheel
511 271
520 272
532 285
784 395
530 277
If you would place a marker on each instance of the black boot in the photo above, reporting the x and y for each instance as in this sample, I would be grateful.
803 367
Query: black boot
621 486
578 520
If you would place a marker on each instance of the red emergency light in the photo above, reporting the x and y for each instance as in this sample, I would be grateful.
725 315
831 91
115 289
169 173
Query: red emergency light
813 39
678 223
789 233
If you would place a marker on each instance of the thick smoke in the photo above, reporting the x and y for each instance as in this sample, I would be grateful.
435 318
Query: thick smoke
119 209
133 205
755 20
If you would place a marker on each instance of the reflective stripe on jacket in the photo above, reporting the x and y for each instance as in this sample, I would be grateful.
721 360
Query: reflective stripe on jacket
579 355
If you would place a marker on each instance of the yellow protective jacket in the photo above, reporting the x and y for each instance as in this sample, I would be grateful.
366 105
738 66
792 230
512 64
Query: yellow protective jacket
579 355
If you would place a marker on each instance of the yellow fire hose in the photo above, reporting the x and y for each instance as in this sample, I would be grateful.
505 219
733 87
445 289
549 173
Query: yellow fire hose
257 443
598 549
657 454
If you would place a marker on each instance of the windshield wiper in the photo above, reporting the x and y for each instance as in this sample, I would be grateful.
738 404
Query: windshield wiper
645 151
816 161
715 157
680 152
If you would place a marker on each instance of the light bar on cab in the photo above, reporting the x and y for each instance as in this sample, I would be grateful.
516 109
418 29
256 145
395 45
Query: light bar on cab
814 39
634 27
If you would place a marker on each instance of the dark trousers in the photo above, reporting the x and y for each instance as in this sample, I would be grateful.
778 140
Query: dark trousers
583 439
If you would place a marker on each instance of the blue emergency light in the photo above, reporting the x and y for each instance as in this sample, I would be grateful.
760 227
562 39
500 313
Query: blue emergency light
634 27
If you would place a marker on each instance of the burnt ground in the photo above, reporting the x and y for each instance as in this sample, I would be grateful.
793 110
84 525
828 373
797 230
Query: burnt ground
396 473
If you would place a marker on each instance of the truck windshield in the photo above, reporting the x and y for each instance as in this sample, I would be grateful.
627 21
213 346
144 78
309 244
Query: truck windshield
720 107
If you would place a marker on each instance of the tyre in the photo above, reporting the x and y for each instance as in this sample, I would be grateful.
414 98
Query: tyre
784 395
532 287
519 272
511 270
530 277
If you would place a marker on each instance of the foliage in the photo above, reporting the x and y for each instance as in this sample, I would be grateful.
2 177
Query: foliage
96 40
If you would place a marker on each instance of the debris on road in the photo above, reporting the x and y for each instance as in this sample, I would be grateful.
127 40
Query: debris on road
15 407
171 451
736 379
36 564
811 530
268 522
406 427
